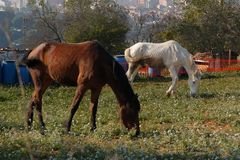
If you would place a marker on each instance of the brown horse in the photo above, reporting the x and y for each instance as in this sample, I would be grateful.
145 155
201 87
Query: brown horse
86 65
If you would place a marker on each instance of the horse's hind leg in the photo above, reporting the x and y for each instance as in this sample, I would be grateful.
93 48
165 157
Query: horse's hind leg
81 89
36 100
93 106
173 73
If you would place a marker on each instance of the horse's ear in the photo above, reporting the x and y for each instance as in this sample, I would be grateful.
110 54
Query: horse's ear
198 74
193 78
136 95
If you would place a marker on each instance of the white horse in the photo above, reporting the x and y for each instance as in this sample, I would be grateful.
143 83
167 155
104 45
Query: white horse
169 54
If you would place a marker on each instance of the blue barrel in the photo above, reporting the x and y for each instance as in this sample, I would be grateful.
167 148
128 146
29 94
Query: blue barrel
122 61
0 72
9 73
153 72
26 78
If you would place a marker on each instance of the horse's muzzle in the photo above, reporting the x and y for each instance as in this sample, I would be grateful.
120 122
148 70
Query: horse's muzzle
194 95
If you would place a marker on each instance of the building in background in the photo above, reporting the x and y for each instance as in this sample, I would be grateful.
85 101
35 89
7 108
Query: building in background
164 4
2 5
19 3
152 3
141 3
55 3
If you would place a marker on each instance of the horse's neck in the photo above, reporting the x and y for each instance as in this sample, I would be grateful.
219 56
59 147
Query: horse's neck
191 70
118 81
122 91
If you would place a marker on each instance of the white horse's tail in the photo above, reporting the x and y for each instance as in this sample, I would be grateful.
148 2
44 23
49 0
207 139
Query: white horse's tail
127 55
129 58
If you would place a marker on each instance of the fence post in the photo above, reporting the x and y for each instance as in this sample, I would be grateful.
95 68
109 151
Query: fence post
229 56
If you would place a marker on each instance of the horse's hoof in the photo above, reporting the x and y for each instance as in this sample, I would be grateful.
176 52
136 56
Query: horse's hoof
193 95
67 125
42 130
137 133
168 94
92 129
28 128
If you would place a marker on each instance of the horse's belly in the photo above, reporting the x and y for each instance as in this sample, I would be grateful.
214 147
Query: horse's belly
64 76
66 81
154 62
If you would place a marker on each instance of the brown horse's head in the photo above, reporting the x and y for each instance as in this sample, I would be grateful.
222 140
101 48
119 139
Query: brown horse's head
129 114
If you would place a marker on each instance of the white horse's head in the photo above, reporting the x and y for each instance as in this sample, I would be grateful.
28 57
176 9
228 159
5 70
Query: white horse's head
193 83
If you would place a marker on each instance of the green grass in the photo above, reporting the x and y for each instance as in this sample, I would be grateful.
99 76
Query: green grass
180 127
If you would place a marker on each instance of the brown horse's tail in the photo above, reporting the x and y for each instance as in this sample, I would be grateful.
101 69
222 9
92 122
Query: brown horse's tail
30 63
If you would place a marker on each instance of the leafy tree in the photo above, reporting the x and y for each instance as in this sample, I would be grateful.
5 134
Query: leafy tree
5 23
207 25
103 20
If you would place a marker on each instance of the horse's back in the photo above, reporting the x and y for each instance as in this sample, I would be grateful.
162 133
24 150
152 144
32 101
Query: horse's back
145 48
65 62
168 53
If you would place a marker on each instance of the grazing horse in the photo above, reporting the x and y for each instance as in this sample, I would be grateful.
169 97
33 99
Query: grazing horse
86 65
169 54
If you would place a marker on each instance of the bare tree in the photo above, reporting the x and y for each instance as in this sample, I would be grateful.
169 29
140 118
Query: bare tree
144 26
49 24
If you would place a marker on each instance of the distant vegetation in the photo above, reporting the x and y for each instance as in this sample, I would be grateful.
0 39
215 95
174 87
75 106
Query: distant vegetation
206 25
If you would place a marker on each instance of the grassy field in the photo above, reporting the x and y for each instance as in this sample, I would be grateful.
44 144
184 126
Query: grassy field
206 127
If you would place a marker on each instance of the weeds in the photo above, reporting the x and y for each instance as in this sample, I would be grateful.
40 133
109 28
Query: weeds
206 127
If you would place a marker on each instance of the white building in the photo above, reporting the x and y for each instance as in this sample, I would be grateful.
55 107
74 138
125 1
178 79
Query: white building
18 3
2 5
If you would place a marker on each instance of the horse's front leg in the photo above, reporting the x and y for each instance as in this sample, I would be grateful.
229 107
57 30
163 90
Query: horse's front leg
132 71
172 89
93 107
81 89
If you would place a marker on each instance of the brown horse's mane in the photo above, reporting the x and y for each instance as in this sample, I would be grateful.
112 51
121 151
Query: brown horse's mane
118 74
121 77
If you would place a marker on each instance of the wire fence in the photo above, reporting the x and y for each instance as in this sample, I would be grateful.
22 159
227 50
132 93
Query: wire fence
12 71
12 53
205 66
219 65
